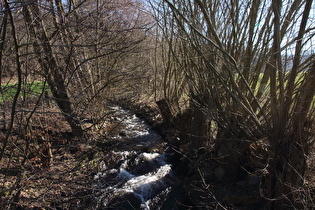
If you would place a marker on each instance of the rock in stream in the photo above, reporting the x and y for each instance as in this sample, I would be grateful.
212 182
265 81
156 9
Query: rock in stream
136 173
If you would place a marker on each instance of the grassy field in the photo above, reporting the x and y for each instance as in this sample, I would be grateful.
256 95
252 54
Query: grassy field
34 88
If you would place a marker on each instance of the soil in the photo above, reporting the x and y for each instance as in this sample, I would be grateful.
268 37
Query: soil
65 180
34 180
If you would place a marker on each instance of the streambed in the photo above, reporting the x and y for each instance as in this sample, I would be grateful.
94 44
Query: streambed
138 172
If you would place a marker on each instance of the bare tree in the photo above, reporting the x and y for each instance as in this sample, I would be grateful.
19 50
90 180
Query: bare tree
248 66
83 69
18 71
49 64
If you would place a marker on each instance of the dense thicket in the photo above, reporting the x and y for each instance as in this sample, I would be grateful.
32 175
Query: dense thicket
64 60
242 72
86 51
234 81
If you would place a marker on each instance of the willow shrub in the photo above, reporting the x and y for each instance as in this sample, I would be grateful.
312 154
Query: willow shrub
248 65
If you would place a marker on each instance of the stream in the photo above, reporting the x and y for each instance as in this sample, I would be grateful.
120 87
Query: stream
138 172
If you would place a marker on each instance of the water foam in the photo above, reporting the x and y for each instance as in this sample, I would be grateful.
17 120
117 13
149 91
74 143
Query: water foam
145 184
149 156
149 184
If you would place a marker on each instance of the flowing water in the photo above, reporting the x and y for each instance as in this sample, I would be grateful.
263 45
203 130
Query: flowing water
138 172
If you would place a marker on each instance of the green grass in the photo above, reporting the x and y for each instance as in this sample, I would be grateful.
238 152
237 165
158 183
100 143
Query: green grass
8 91
299 78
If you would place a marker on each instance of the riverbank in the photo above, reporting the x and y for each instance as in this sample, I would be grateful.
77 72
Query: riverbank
70 179
63 182
67 179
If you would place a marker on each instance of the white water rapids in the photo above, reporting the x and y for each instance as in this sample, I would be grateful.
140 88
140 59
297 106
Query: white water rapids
140 177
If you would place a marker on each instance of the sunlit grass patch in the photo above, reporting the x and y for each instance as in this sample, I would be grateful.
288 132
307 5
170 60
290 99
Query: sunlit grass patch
34 88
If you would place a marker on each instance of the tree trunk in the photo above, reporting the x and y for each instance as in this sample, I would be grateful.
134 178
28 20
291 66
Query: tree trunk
49 65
